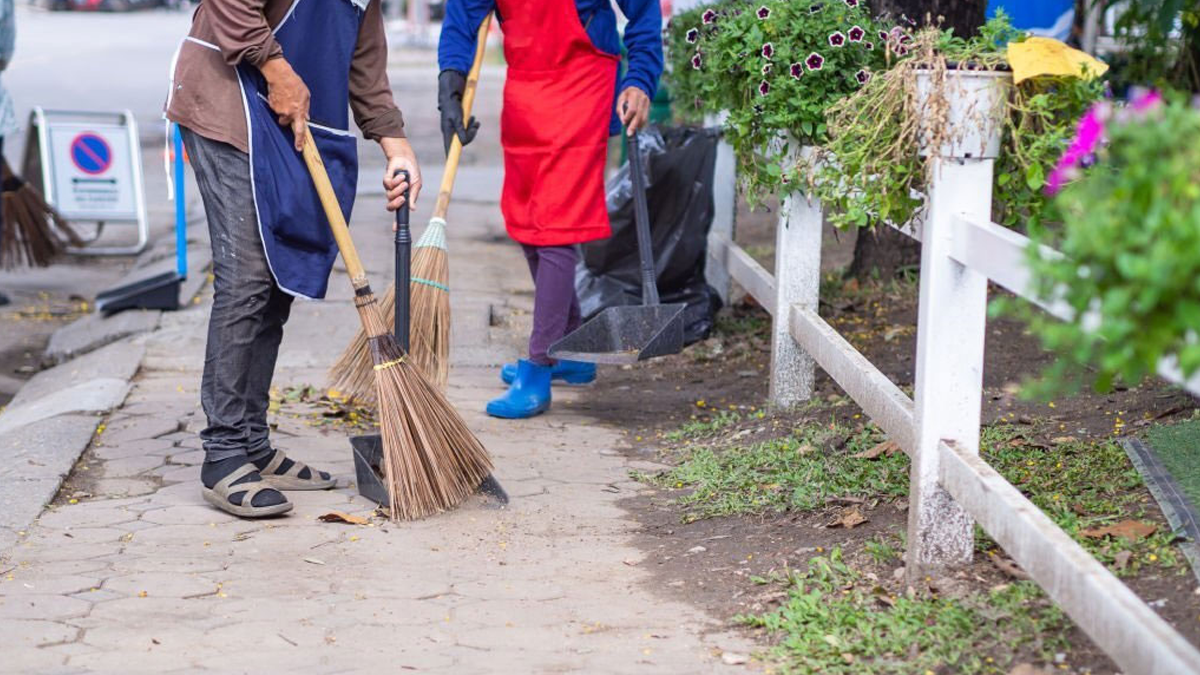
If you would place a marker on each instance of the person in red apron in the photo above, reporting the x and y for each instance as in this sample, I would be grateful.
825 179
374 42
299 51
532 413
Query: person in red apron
252 78
558 113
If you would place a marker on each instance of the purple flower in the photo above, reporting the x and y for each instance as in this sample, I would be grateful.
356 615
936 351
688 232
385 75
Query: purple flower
764 88
797 70
764 12
696 61
836 39
693 36
815 61
758 109
766 69
852 3
709 16
813 9
883 36
869 45
901 51
862 76
856 34
768 50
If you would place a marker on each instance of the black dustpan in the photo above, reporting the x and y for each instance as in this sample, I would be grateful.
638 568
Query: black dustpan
635 332
368 448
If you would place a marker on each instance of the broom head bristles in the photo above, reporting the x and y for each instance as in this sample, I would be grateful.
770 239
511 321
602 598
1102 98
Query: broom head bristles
429 335
431 460
34 234
430 329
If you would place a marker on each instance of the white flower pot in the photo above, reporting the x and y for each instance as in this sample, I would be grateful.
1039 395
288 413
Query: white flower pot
976 109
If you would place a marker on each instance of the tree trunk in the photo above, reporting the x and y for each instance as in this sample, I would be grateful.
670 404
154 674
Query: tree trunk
884 251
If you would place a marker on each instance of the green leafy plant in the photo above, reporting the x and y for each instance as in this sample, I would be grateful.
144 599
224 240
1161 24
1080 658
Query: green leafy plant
1130 232
873 169
773 67
838 620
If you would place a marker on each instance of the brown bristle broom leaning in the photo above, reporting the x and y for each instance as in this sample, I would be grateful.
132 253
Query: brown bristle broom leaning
33 233
431 460
429 290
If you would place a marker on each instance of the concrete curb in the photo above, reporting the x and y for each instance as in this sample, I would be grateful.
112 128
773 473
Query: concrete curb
50 424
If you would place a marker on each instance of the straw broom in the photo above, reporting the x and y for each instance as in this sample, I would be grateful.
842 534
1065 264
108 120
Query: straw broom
430 291
33 232
431 460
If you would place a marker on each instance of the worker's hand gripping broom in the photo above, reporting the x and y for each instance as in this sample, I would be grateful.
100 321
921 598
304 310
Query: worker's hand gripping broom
431 460
429 291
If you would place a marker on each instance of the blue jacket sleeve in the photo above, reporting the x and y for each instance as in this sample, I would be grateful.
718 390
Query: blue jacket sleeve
456 46
643 44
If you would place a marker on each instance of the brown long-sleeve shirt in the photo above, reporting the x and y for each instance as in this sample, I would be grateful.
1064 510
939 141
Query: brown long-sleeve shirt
206 97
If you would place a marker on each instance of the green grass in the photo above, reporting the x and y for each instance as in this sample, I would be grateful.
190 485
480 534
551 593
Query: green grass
1178 448
697 429
1081 485
837 620
795 472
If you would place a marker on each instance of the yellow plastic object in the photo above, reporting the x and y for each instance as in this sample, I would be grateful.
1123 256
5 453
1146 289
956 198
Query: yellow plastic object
1047 56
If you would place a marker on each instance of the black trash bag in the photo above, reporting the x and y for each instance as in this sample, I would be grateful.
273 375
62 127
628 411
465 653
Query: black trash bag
679 192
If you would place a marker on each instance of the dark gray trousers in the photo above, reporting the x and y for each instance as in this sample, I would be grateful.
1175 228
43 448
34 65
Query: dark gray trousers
248 310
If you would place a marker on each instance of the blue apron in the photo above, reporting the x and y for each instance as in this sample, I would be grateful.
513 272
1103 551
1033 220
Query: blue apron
318 38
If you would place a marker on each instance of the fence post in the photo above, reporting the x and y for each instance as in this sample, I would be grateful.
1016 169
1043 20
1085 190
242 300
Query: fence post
724 211
951 324
797 282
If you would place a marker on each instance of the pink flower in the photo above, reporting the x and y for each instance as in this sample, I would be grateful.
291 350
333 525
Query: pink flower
709 16
1146 101
862 76
836 39
766 69
764 12
852 3
797 70
764 88
1088 137
869 45
768 50
697 62
856 34
693 36
815 61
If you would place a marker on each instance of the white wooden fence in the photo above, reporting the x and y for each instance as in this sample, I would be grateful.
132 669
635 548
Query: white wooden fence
951 486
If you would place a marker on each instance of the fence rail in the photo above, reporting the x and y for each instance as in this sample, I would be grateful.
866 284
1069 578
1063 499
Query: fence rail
951 486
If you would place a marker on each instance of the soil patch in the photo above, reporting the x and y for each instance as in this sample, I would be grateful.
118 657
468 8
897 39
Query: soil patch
713 562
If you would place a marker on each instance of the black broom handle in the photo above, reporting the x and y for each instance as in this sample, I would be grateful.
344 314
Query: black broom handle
403 268
641 216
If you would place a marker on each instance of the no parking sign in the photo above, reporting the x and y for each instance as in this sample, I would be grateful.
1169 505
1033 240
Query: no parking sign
92 173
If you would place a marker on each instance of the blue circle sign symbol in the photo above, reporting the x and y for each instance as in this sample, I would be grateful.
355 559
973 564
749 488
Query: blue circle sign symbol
91 153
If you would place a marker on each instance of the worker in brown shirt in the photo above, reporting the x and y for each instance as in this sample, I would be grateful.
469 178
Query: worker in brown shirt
250 80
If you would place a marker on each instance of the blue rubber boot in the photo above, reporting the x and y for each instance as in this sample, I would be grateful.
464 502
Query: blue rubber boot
571 372
528 395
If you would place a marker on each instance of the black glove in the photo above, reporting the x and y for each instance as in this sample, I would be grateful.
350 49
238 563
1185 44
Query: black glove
451 84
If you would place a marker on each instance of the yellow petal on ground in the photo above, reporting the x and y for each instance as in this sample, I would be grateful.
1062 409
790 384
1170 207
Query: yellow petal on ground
1046 56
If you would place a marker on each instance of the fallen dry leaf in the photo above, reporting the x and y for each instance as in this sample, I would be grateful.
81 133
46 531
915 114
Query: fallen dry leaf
1132 530
888 448
1009 567
850 519
734 659
1121 560
339 517
1063 440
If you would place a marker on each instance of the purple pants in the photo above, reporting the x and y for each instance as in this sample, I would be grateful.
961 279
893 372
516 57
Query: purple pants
555 306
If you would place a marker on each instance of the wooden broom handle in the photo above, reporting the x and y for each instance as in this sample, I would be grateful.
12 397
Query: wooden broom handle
333 211
451 170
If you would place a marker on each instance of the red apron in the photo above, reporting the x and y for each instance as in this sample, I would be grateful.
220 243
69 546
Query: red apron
558 101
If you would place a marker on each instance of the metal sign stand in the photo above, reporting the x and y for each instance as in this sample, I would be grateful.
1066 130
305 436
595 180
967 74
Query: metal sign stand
126 207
